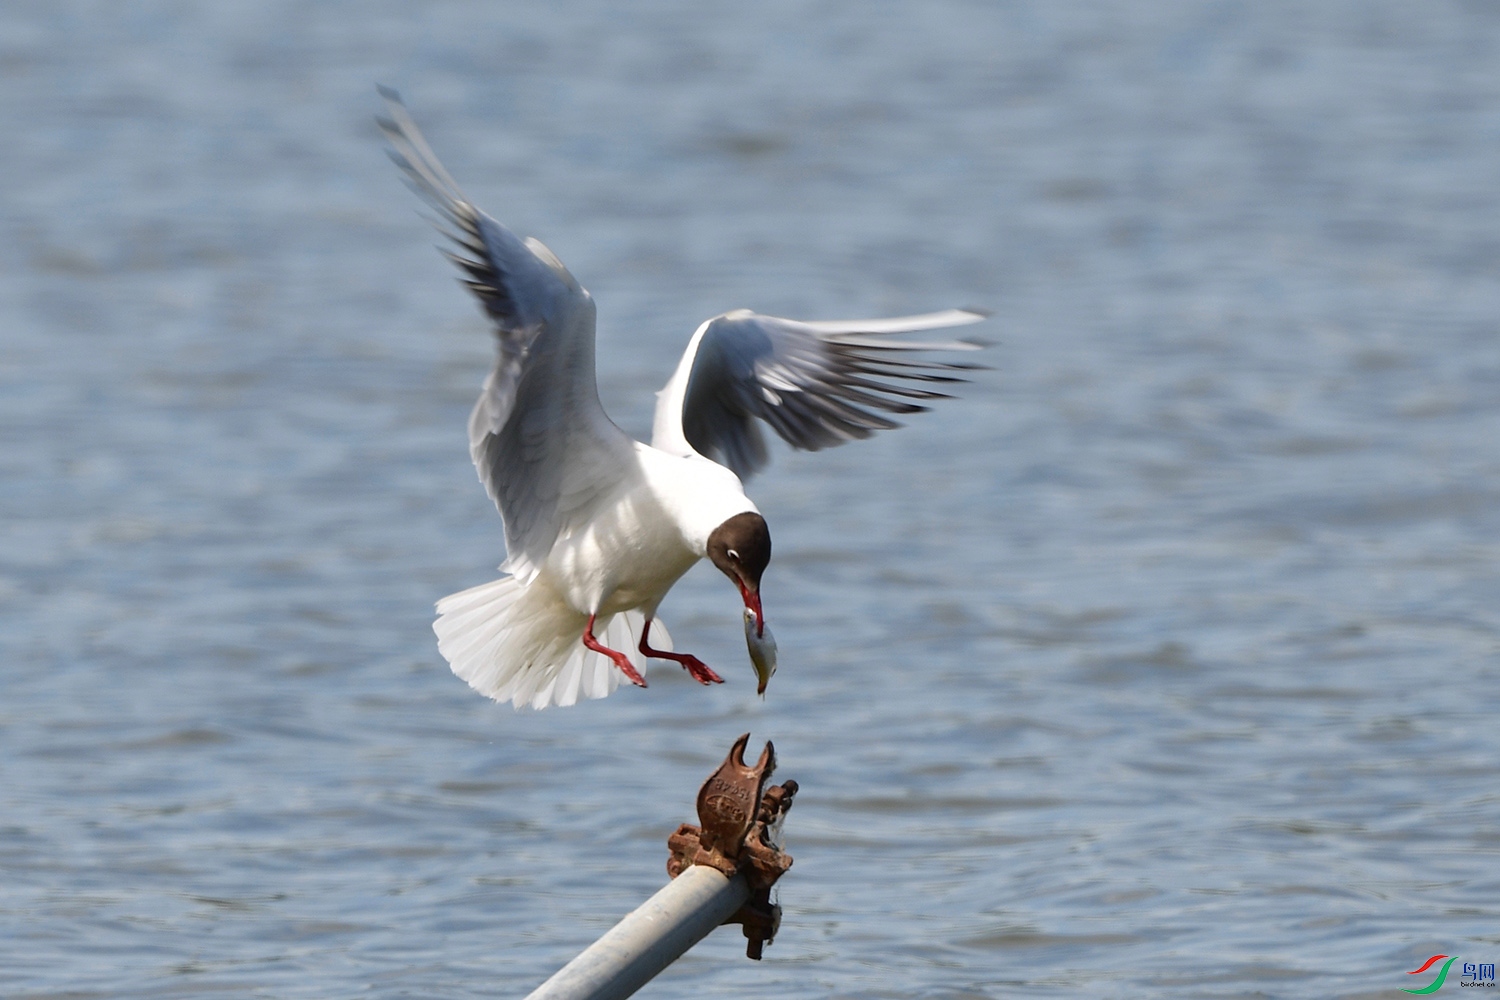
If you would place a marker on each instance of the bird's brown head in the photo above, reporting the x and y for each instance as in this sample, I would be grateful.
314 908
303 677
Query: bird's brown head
741 548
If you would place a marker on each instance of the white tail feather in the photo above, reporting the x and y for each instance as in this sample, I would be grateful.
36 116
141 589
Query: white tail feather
524 644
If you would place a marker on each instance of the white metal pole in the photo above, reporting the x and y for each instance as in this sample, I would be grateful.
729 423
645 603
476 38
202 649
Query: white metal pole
648 940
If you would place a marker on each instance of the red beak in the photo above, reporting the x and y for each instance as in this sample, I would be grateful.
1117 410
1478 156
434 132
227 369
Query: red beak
752 601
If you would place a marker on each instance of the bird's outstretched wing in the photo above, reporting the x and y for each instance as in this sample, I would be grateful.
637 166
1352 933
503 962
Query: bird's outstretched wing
544 448
816 384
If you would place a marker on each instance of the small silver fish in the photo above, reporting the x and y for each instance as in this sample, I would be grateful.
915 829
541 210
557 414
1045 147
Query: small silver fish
762 647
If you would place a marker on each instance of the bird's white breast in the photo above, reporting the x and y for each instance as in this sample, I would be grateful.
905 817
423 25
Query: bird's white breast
640 539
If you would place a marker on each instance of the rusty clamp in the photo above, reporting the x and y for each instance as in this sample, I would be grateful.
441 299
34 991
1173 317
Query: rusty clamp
740 833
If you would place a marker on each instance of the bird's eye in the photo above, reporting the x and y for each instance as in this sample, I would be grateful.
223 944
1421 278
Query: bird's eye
733 554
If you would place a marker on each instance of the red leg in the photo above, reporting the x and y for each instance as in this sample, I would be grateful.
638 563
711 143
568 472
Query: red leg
621 660
700 670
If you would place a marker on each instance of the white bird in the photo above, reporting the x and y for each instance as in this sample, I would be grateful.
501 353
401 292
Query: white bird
598 527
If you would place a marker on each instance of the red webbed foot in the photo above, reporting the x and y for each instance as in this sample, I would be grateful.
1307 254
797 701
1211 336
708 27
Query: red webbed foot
696 668
620 659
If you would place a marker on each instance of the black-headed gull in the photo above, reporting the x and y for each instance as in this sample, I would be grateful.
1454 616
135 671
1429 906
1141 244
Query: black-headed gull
598 527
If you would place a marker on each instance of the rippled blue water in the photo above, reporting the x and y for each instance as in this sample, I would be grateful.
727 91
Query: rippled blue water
1164 663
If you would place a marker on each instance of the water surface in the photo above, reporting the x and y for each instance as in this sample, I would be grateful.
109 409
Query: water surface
1163 663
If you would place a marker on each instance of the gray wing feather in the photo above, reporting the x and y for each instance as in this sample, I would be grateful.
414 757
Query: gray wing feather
539 437
816 384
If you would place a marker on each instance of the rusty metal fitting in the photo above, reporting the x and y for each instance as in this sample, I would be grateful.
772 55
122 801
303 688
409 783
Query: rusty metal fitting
739 833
